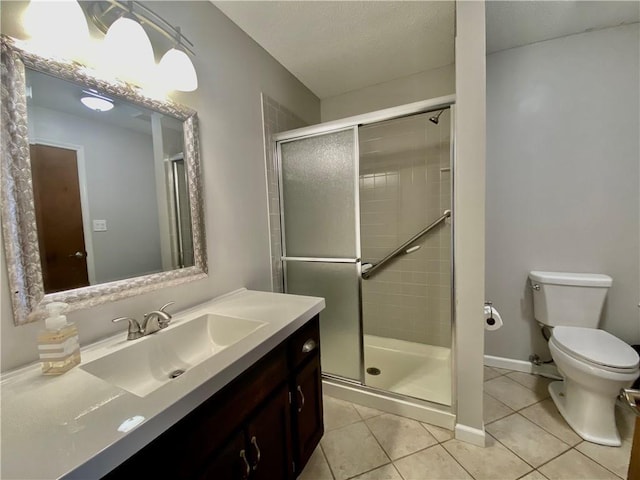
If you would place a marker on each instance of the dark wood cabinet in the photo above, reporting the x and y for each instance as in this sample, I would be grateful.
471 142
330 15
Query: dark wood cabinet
308 409
260 450
262 426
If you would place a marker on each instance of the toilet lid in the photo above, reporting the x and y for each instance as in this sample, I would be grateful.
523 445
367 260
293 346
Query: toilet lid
596 346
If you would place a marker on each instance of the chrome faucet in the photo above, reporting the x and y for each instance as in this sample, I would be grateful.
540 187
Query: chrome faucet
134 331
156 320
153 321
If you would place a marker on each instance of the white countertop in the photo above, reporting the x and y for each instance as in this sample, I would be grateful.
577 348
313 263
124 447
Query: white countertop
67 426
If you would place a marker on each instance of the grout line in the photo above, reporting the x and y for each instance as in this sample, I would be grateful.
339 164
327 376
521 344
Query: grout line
456 460
595 461
377 441
571 447
371 470
529 473
324 455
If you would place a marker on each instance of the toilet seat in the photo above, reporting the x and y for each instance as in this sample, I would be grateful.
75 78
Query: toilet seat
596 347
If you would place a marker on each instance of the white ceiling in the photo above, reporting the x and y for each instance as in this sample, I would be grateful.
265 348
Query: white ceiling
337 46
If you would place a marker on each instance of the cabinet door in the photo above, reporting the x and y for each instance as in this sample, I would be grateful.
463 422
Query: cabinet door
307 409
230 462
269 439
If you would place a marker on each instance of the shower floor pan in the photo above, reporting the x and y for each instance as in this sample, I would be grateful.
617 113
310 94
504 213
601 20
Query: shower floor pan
408 368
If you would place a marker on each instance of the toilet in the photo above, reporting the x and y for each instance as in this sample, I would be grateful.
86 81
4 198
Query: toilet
594 364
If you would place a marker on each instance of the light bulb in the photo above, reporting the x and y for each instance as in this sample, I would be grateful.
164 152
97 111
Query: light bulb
177 71
57 28
127 52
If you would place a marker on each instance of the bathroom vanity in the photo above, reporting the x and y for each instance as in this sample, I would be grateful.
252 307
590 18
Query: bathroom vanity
251 408
265 424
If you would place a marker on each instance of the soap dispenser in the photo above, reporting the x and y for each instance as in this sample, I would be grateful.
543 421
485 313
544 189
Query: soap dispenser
58 343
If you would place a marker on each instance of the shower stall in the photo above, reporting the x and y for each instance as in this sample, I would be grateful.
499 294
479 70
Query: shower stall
365 221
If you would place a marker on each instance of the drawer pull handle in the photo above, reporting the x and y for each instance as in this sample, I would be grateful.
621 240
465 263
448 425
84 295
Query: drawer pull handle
309 346
254 442
301 399
243 456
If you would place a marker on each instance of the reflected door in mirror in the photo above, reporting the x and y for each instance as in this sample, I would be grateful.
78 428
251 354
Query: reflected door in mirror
57 203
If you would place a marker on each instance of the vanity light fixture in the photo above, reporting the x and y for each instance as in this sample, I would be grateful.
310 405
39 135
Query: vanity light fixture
94 101
57 29
126 50
126 53
176 68
124 37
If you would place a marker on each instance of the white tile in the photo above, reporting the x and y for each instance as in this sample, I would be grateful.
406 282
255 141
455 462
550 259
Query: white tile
386 472
317 467
433 463
338 413
538 384
493 461
439 433
526 439
494 409
367 412
615 459
546 415
625 421
352 450
399 436
511 393
535 475
490 373
573 465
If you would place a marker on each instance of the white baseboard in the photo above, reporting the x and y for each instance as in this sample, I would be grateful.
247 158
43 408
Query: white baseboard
548 370
475 436
508 364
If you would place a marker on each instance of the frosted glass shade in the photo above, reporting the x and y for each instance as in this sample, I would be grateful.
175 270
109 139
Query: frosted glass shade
127 52
98 104
177 71
57 29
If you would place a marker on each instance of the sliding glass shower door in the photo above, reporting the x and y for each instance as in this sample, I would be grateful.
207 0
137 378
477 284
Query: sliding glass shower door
321 247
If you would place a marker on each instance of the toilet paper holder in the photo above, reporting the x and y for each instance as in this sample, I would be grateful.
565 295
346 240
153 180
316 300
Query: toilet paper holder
490 320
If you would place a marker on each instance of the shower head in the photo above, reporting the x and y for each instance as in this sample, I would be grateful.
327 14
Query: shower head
436 118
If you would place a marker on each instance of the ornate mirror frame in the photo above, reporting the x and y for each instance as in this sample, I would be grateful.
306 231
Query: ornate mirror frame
18 214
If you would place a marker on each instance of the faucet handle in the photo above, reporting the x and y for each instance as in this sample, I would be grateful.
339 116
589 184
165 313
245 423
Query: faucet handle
162 308
134 327
162 315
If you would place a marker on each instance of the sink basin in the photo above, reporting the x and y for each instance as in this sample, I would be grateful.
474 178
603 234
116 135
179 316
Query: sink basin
151 362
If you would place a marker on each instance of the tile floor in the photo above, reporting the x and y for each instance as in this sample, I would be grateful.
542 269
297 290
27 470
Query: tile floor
526 439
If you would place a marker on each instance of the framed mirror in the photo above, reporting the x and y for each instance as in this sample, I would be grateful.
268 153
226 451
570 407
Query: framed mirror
101 194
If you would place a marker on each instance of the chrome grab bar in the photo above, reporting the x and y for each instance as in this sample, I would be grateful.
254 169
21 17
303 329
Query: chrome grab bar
398 251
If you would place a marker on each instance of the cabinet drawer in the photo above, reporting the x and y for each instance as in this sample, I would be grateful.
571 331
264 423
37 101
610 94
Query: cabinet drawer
305 343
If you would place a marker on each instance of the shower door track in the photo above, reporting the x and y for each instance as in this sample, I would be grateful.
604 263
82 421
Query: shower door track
410 109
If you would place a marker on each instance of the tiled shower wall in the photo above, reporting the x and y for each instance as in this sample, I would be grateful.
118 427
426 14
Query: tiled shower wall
405 184
276 118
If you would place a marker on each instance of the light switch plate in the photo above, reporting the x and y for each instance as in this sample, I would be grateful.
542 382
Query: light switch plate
99 225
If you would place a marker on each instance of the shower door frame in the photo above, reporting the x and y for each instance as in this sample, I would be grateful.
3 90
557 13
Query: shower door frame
357 261
354 123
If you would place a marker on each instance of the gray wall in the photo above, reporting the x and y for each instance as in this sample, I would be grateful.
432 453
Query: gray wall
562 177
232 72
121 190
414 88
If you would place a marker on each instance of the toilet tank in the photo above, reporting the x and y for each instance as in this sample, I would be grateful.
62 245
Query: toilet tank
569 299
